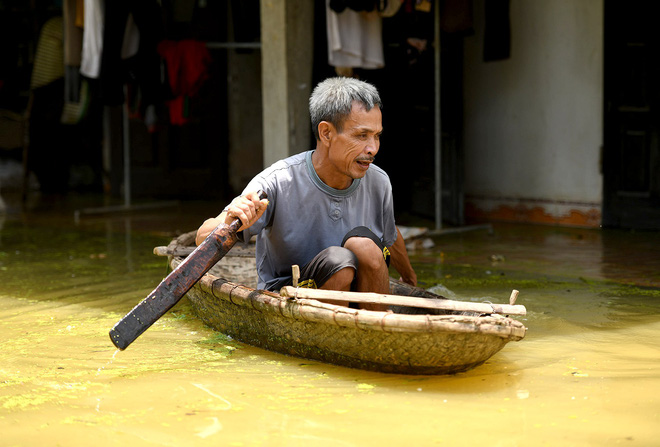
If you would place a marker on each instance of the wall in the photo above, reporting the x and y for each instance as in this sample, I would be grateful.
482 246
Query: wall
245 117
533 122
268 111
286 77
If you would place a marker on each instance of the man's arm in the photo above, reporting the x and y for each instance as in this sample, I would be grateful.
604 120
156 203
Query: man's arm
400 260
247 208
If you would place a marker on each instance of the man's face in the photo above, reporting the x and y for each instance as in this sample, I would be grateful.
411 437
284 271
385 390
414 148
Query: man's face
353 150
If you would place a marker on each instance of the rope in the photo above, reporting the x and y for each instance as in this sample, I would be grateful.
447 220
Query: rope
230 293
490 303
382 320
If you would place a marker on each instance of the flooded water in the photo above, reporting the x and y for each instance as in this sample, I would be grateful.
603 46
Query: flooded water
586 374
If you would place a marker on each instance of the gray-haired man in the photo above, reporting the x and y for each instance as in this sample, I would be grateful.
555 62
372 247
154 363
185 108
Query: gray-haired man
329 210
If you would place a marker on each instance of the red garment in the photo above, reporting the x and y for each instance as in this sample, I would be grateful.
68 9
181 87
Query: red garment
187 68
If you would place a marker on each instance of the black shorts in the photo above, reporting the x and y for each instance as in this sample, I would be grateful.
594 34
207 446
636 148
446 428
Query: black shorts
331 260
366 232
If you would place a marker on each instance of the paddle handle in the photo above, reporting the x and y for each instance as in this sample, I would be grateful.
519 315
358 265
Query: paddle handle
176 284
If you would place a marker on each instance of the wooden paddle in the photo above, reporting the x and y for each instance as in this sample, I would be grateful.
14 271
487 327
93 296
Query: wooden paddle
378 298
178 282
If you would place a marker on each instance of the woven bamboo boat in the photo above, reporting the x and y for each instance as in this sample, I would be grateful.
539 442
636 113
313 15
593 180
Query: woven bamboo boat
226 300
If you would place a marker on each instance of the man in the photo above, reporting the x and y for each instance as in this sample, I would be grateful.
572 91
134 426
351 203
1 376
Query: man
328 210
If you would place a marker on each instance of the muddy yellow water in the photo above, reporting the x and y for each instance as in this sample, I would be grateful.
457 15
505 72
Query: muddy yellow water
586 374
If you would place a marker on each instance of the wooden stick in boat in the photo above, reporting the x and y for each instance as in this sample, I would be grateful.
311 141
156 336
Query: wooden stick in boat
377 298
179 251
513 297
295 271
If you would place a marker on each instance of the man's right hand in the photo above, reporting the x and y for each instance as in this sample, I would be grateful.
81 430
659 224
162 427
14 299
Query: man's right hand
248 209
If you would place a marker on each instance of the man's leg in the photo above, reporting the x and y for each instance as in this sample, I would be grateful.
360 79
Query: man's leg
360 264
332 269
341 280
373 274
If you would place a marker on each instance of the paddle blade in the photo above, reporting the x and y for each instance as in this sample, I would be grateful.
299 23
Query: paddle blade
175 285
171 289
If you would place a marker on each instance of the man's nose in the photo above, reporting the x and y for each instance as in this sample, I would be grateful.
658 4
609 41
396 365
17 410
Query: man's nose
372 146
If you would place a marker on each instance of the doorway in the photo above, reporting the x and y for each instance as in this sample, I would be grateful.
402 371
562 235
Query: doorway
631 153
407 85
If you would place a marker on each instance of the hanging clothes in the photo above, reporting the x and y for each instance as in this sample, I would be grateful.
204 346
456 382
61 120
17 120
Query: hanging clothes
47 159
389 8
92 46
80 14
73 35
76 87
187 63
132 30
354 38
49 57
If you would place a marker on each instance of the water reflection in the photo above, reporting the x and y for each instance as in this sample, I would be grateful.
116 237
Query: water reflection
128 237
3 218
585 375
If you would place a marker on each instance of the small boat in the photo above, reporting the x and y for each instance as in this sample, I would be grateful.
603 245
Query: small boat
406 341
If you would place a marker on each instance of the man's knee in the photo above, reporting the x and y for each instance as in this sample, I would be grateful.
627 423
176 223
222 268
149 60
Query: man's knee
358 244
369 255
368 247
340 256
327 264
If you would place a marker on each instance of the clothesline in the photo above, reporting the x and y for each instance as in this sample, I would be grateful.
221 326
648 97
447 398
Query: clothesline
233 45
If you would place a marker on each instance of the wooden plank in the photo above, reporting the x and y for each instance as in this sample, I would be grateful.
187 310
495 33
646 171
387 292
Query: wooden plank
428 303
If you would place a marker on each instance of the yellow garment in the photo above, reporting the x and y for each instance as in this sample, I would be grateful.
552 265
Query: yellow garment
73 35
49 58
80 13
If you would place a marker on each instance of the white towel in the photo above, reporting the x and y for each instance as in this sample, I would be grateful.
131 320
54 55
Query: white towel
92 48
354 39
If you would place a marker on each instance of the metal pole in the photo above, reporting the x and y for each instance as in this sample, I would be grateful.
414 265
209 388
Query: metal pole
438 122
233 45
126 142
127 152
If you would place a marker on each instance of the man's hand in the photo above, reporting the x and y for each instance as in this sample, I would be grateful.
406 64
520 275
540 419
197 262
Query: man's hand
248 209
400 261
409 279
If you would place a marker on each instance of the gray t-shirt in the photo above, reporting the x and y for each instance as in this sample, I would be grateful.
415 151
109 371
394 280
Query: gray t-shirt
305 216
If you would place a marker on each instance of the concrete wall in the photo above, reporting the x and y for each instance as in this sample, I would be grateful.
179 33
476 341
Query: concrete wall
269 91
533 122
245 117
286 39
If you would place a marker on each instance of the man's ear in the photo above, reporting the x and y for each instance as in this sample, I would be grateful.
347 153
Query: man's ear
326 131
